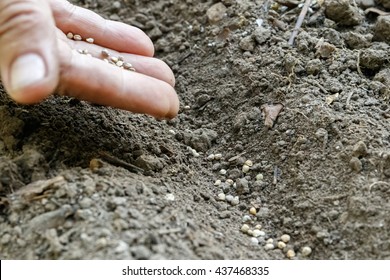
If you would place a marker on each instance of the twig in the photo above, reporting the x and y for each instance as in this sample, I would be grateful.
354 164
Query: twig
377 183
299 22
358 65
118 162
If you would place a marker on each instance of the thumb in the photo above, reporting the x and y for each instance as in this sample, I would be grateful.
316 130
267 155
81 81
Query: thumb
28 62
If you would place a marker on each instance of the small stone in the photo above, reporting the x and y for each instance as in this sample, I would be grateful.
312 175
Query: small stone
253 211
306 251
343 12
246 218
247 44
290 254
216 12
360 149
221 196
90 40
77 37
285 238
269 246
281 245
355 164
245 228
69 35
382 29
170 197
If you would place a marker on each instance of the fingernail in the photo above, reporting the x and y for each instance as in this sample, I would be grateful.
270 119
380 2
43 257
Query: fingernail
26 71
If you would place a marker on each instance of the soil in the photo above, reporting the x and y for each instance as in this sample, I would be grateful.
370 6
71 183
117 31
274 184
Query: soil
81 181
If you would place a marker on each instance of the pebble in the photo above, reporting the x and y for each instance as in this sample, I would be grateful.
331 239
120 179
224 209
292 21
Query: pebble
382 29
306 251
253 211
254 241
269 246
290 254
285 238
245 228
217 182
281 245
235 201
221 196
216 12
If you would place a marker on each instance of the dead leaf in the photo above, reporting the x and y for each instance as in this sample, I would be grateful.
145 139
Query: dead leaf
270 113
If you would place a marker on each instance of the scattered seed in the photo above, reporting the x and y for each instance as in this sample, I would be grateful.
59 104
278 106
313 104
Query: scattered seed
246 218
250 232
229 198
259 177
285 238
254 241
209 157
169 197
171 131
270 240
217 182
218 156
245 168
119 63
258 227
222 171
290 254
121 58
257 233
253 211
306 251
69 35
114 59
187 107
249 163
105 53
229 182
221 196
106 60
77 37
245 228
269 246
281 245
90 40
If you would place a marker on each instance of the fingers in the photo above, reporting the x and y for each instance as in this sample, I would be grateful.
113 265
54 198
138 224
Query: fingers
94 80
28 62
146 65
106 33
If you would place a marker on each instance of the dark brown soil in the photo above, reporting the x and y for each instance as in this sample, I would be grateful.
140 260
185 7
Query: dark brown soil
325 162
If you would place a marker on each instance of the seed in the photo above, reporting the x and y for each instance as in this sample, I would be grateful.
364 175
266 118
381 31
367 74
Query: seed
306 251
229 182
235 200
285 238
209 157
253 211
105 60
132 69
254 241
90 40
229 198
259 177
270 240
77 37
257 233
246 218
221 196
290 254
218 156
114 59
281 245
269 246
105 53
249 232
245 228
170 197
222 171
69 35
258 227
217 182
119 63
245 168
121 58
249 163
127 65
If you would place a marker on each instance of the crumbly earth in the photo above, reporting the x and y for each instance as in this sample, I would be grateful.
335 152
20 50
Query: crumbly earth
68 188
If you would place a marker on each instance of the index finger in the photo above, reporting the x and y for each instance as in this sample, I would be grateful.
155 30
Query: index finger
106 33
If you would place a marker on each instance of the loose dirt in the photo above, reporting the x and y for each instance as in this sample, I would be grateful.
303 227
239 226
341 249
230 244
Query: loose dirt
80 181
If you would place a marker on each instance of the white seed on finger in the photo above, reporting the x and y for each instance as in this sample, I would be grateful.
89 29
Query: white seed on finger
114 59
90 40
119 63
77 37
69 35
105 53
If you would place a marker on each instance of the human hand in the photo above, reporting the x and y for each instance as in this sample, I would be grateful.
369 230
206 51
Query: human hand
36 59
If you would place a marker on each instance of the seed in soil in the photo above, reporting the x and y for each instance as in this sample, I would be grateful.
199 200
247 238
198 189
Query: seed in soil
258 227
254 241
223 172
269 246
246 218
90 40
290 254
306 251
211 157
69 35
218 156
229 182
77 37
253 211
270 240
259 177
257 233
245 228
235 201
229 198
221 196
245 168
249 163
281 245
250 232
217 182
285 238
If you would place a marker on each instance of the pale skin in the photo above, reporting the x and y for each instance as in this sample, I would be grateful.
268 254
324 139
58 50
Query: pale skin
38 28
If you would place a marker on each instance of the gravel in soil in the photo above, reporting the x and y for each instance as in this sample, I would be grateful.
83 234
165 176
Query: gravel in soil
309 181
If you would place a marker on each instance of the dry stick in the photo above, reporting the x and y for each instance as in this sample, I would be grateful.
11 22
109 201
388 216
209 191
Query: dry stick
299 22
